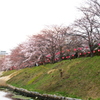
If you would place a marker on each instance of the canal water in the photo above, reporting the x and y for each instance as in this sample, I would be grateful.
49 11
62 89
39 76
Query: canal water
6 95
3 96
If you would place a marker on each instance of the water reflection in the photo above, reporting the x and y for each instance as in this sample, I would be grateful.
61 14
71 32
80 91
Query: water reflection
9 96
2 96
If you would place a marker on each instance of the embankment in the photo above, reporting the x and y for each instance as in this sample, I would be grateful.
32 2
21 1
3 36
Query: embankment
69 78
37 95
27 93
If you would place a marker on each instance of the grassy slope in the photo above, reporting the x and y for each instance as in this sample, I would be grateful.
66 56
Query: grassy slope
81 78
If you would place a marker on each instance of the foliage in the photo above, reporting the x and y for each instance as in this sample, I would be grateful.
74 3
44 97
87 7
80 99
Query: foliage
5 73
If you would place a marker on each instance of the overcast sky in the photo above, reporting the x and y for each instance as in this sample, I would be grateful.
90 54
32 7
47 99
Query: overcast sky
22 18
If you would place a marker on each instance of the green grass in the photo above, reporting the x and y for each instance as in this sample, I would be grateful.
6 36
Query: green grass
81 78
21 97
7 72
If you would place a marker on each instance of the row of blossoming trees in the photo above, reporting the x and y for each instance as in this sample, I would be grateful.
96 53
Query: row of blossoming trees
55 43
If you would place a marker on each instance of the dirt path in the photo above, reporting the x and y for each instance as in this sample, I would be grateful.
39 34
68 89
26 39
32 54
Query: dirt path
1 72
4 79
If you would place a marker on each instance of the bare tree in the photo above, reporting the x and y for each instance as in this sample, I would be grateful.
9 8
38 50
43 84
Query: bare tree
93 9
88 27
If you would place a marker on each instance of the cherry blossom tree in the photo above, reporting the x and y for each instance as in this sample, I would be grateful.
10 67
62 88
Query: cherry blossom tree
56 38
17 57
34 49
6 63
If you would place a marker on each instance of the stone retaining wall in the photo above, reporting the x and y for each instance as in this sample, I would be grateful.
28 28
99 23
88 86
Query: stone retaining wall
27 93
